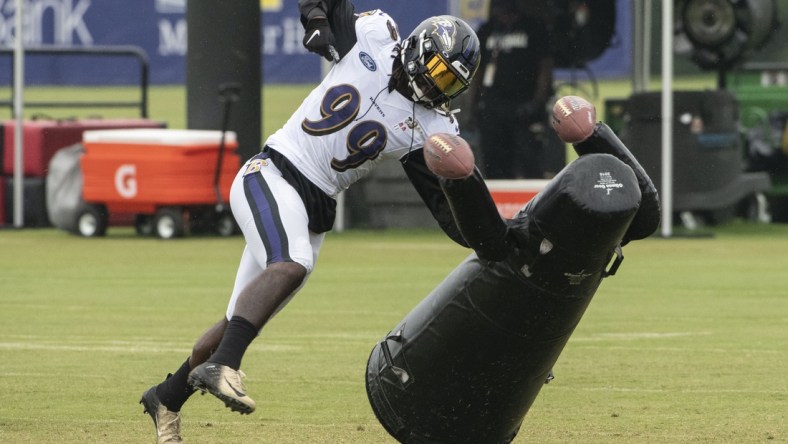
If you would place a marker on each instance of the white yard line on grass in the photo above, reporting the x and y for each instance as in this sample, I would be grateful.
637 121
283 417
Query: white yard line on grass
128 348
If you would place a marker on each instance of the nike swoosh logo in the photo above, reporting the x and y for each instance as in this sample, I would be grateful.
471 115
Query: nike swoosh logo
314 34
240 394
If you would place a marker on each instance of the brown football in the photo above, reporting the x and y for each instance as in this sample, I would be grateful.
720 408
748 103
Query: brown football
449 156
574 119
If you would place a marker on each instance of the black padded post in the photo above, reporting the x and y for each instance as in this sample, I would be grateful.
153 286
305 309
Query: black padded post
466 364
224 48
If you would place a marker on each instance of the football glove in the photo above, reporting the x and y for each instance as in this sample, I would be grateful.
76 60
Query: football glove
319 39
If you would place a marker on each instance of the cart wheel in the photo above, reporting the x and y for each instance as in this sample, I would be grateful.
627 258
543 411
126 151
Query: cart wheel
92 220
143 224
168 223
225 224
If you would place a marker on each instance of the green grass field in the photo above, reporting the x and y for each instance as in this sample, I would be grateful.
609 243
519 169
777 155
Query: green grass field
687 343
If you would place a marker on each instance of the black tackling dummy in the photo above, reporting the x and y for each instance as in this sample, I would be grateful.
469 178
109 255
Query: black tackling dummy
467 363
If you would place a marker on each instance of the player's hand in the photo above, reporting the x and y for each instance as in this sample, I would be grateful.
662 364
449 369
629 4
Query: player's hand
319 39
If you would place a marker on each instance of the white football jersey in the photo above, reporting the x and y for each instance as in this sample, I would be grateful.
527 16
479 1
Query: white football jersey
350 122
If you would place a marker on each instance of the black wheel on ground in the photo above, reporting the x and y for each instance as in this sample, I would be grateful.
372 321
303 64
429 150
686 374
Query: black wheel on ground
168 222
225 224
143 224
92 220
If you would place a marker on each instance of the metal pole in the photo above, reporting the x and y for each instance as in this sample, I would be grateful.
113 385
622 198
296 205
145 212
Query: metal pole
638 39
646 44
339 223
224 47
667 118
19 84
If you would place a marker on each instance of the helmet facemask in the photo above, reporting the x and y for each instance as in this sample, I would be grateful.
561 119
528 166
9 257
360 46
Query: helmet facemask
440 59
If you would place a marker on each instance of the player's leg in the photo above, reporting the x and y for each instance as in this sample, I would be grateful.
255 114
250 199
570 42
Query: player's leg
163 402
166 422
275 225
175 390
207 343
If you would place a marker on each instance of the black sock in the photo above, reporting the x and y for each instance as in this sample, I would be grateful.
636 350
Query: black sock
175 390
237 337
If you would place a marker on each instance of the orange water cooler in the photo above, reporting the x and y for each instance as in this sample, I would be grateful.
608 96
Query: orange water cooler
169 179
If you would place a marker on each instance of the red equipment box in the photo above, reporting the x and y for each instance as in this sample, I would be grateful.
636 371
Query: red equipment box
2 201
138 171
34 211
42 138
511 195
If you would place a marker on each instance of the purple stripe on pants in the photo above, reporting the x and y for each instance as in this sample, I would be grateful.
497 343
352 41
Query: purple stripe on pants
266 217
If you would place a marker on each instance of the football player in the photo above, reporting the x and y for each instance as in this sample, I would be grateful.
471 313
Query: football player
381 99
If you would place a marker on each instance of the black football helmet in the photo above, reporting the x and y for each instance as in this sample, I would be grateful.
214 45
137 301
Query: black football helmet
440 58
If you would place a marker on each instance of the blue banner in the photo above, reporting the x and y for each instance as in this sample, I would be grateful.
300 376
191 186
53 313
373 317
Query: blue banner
286 61
159 28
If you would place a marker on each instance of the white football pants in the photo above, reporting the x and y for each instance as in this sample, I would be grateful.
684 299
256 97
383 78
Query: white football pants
274 223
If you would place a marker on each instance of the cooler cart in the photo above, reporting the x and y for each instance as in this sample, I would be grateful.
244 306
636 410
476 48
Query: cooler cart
169 180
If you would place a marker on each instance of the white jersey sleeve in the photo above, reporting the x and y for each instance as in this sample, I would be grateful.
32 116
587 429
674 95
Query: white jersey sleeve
351 121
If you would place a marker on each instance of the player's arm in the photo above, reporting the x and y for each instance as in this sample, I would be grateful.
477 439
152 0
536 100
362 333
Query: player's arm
330 25
429 189
646 221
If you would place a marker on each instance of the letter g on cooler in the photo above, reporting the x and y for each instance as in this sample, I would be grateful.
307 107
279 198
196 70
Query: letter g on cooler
126 181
